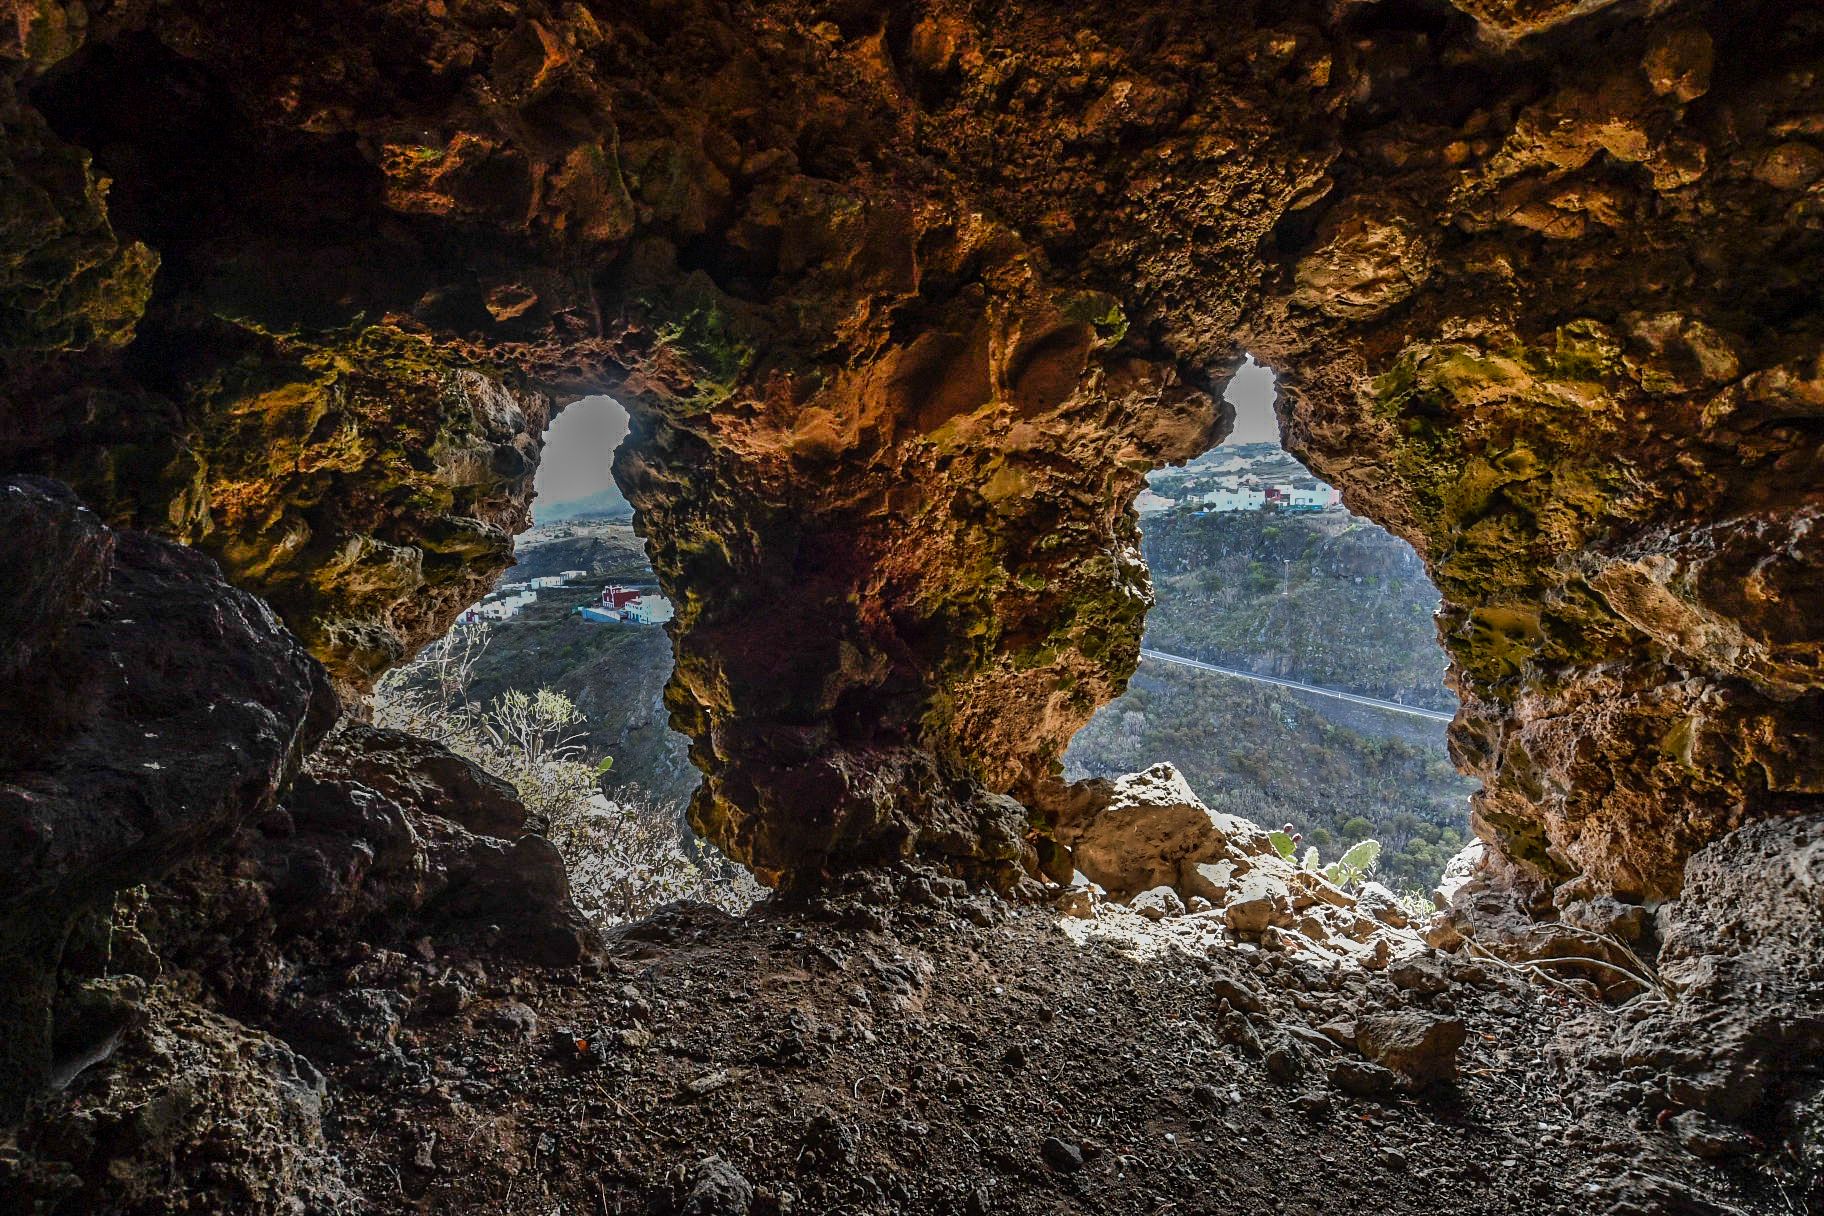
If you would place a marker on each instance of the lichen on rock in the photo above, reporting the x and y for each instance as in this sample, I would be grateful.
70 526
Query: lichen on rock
905 305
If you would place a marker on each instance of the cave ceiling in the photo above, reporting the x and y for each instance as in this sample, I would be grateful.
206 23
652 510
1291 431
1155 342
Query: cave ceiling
905 301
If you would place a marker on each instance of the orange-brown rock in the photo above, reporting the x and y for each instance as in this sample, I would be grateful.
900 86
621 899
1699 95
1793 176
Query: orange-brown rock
905 300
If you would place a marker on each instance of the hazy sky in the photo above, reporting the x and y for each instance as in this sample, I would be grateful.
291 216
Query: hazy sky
579 450
1251 393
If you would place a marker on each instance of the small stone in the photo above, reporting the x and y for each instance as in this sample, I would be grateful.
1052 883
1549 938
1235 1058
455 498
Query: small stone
1061 1155
515 1017
1363 1079
446 997
1157 903
1420 1047
717 1189
1703 1136
1284 1063
1237 994
1314 1105
1416 973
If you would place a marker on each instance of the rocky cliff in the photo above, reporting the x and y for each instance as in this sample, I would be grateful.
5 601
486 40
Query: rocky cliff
906 299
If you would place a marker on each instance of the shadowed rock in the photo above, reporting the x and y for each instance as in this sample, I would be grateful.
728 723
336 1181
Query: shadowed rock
179 706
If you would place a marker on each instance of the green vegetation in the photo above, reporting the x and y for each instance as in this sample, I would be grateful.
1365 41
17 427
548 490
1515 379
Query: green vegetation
1322 598
1351 869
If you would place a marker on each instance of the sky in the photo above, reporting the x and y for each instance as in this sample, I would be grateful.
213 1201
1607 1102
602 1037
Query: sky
579 450
1251 393
579 447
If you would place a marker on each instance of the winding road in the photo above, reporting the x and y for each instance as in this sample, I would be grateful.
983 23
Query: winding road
1372 702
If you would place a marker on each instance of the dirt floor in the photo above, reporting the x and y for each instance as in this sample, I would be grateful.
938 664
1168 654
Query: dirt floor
961 1055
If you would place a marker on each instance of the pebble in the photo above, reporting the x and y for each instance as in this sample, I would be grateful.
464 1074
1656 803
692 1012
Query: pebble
1061 1155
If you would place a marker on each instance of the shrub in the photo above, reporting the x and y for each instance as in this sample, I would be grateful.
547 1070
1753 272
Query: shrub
625 856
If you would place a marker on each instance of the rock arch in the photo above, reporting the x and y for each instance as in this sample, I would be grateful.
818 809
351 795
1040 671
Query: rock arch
905 300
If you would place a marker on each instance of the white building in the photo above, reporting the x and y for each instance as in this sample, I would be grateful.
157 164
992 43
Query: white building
1318 498
1149 503
547 580
1235 500
650 610
502 609
567 574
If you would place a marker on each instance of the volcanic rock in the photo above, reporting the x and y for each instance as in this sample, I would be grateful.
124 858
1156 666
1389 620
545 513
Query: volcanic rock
195 1104
1148 826
1420 1047
181 707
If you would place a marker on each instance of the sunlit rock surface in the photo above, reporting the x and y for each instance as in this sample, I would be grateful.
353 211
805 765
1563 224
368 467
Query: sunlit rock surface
906 300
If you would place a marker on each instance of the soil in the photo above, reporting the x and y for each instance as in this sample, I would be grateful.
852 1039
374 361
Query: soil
964 1055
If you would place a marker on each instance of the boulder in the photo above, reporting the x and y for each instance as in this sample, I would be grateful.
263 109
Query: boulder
1377 901
1158 903
370 845
1416 973
1150 827
1462 867
1741 952
157 709
190 1104
1420 1047
1259 900
1210 880
419 775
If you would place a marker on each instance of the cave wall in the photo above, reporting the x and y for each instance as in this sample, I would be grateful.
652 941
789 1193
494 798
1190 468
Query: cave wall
906 299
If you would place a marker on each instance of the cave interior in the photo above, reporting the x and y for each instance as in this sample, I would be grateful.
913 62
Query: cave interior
904 301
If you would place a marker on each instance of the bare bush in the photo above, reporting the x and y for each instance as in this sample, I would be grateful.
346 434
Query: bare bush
626 856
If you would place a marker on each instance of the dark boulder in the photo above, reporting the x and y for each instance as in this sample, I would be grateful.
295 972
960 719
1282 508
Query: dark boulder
369 846
161 708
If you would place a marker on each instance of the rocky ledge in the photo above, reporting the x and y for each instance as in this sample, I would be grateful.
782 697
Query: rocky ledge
905 301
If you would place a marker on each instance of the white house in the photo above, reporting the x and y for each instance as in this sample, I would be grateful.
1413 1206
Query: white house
567 574
650 610
1317 498
1235 500
1149 503
547 580
501 609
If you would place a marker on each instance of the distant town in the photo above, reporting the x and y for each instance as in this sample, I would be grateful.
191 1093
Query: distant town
1247 477
615 603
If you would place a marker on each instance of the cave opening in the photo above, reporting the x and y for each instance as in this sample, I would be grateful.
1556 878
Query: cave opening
554 680
1290 667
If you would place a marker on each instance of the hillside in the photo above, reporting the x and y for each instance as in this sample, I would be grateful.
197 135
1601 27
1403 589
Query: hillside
1337 773
1232 589
603 548
1324 598
604 504
615 674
